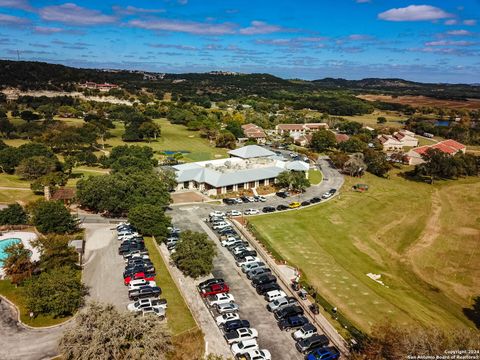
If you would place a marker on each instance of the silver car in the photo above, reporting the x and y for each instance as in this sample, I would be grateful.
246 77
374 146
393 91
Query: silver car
227 308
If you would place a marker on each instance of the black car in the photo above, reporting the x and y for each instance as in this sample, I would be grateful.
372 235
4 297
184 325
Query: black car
226 230
245 199
282 194
311 343
315 200
263 289
210 282
287 312
144 292
244 254
332 191
122 250
229 201
305 203
235 324
282 207
264 279
236 244
268 209
292 322
138 268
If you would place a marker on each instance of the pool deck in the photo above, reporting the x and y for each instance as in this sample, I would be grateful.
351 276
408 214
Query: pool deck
26 238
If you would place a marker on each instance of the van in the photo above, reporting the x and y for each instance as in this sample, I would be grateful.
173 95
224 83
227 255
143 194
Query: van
274 295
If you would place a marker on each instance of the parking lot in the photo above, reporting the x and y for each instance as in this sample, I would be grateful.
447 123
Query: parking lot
252 306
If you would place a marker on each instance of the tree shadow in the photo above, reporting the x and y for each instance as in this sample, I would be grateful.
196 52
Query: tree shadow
473 313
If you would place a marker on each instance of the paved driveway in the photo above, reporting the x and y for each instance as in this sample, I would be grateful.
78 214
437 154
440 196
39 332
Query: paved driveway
20 343
103 267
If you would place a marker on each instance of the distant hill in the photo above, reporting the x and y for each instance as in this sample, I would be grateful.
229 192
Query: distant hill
401 87
30 75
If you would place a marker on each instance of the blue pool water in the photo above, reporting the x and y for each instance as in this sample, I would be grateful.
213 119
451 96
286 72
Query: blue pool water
4 244
170 152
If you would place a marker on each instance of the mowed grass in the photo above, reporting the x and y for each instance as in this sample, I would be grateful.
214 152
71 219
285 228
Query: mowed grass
11 180
315 177
173 138
393 119
383 231
23 196
14 294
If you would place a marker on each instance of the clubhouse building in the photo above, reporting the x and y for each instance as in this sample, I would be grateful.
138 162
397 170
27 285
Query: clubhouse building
247 167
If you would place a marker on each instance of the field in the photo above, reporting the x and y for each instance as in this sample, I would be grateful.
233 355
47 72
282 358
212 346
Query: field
315 177
174 138
419 101
393 119
423 240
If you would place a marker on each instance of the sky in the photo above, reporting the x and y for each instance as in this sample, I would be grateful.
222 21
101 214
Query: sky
427 41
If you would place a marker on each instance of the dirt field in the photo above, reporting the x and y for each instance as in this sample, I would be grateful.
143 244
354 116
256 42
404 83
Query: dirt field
187 197
419 101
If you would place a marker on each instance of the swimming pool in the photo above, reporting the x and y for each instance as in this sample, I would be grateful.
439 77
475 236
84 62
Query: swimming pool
4 244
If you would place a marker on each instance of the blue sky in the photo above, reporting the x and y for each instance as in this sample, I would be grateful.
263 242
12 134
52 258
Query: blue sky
430 41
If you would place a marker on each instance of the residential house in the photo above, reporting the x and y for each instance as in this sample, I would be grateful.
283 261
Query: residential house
299 129
450 147
398 140
255 132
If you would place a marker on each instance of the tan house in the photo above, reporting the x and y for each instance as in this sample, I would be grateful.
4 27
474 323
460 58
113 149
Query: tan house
398 140
255 132
299 129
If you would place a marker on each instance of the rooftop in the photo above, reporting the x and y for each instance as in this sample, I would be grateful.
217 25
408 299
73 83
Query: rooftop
251 151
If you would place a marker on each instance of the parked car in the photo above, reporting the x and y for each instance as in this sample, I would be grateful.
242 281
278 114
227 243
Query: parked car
260 198
252 266
268 209
234 213
292 322
216 214
282 194
222 319
256 355
288 311
230 240
251 212
214 289
314 341
240 249
139 276
238 200
221 225
242 334
294 205
244 254
219 299
281 302
315 200
229 201
227 308
327 195
244 346
247 260
235 324
149 302
264 288
257 271
282 207
205 284
245 199
135 284
144 292
306 331
156 311
324 353
264 279
305 203
273 295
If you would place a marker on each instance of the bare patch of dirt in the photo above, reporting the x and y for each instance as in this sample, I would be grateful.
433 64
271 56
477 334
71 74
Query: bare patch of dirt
420 101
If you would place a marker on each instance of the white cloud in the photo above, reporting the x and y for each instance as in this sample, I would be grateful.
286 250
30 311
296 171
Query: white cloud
12 20
132 10
450 43
70 13
260 27
470 22
191 27
459 33
16 4
451 22
414 13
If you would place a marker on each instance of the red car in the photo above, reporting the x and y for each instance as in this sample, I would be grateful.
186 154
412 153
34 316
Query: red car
138 276
215 289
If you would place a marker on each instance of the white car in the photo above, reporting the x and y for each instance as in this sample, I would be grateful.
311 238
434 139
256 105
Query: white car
220 225
251 198
222 319
144 303
258 355
274 294
219 299
327 195
227 308
244 346
262 198
281 302
136 284
251 212
241 335
247 260
217 214
241 249
306 331
234 213
229 241
160 312
138 256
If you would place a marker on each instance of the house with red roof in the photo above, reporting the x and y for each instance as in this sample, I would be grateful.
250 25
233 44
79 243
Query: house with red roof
255 132
449 146
398 140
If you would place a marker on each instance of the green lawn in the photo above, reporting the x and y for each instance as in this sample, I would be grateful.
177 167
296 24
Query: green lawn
315 177
14 294
174 138
393 119
179 317
7 180
428 264
24 196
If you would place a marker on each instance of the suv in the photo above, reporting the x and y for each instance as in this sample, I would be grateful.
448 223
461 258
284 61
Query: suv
306 331
292 322
235 324
240 335
268 209
279 303
288 311
311 343
264 288
257 271
264 279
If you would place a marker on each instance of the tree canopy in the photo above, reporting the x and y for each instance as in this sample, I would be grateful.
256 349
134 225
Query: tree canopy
13 214
149 220
52 217
194 254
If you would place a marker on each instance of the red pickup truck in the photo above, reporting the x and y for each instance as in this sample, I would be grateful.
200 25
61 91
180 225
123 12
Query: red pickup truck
215 289
138 276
